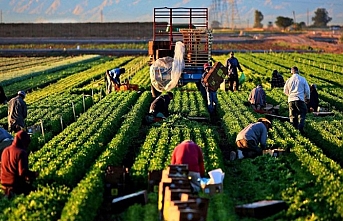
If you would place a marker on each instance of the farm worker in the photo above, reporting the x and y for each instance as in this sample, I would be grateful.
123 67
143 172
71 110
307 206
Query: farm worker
5 140
3 98
211 94
17 112
15 173
113 76
313 103
232 64
252 139
257 98
188 152
159 107
297 89
277 80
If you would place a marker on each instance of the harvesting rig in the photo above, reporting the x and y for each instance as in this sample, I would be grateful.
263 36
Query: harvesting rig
190 26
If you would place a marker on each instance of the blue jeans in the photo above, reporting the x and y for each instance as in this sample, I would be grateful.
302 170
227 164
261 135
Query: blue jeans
212 100
297 113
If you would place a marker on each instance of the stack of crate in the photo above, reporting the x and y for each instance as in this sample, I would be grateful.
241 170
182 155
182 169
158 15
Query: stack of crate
198 46
174 184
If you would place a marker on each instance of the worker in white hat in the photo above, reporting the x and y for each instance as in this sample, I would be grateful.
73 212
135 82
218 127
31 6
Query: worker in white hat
17 112
252 140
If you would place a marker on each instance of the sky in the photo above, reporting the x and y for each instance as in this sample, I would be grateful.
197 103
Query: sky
73 11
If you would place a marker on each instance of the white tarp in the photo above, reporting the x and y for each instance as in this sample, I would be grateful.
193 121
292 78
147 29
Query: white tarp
165 72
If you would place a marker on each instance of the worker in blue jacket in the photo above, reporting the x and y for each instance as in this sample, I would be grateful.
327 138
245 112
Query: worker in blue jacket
113 77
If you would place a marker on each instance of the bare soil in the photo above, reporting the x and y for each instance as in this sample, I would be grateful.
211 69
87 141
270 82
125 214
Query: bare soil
301 42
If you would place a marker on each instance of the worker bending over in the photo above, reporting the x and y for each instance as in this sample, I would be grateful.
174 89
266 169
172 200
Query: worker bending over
257 98
188 152
252 140
159 107
113 78
16 177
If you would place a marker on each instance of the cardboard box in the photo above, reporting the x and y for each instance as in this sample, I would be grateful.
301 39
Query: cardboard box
170 195
187 215
261 209
212 189
216 76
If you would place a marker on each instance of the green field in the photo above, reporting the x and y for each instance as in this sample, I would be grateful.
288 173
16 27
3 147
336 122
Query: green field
85 130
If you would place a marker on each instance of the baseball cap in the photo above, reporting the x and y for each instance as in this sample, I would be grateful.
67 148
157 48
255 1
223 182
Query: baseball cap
22 93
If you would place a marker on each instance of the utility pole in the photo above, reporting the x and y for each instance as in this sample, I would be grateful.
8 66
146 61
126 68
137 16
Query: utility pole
101 16
294 21
308 20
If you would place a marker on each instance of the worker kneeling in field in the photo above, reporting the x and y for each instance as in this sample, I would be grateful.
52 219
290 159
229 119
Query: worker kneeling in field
250 137
257 98
188 152
159 107
16 177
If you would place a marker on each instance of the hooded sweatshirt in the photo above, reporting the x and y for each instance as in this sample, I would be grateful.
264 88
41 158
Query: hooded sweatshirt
14 165
189 153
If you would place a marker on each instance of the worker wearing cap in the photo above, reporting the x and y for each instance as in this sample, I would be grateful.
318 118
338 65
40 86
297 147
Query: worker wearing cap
232 64
188 152
277 80
257 98
211 95
298 91
17 112
252 140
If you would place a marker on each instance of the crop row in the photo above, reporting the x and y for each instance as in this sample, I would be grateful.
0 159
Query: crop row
69 155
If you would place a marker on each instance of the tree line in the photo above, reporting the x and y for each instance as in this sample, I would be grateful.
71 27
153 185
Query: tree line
320 20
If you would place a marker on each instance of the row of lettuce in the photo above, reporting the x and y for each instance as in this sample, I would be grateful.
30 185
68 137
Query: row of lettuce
73 161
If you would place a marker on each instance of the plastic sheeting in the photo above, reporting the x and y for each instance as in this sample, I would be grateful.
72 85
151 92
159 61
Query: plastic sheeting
165 72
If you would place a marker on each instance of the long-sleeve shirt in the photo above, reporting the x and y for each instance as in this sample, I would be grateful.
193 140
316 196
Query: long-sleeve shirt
115 75
189 153
14 165
297 88
17 111
257 96
256 132
232 64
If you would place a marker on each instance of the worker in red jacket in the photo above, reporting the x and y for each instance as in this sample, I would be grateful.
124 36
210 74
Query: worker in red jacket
188 152
16 177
